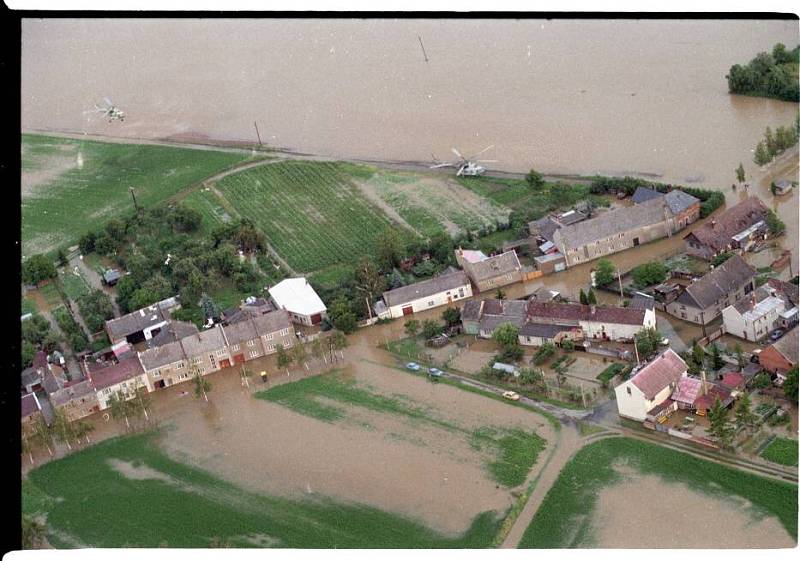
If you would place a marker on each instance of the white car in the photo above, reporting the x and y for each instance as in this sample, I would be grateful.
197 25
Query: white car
513 396
435 372
412 366
665 341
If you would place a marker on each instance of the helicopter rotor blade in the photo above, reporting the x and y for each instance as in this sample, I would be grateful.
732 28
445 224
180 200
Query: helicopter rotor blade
485 161
457 153
108 102
481 152
444 165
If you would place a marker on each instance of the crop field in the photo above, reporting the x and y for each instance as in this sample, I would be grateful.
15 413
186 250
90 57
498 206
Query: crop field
140 497
781 451
432 204
311 212
605 486
510 453
70 185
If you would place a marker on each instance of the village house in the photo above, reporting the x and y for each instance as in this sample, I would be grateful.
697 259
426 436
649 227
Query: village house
647 392
537 334
735 229
488 273
781 356
625 227
755 316
121 379
440 290
165 365
497 312
471 316
298 297
142 324
787 292
29 408
77 399
595 322
698 395
259 336
205 350
703 301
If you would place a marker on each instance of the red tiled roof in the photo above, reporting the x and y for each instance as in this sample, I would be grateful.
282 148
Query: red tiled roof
116 373
714 391
667 368
718 232
732 380
687 390
557 311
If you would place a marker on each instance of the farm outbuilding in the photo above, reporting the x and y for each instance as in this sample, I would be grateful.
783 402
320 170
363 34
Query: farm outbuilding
298 297
441 290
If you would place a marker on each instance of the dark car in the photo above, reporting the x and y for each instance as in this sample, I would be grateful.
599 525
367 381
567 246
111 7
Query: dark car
777 334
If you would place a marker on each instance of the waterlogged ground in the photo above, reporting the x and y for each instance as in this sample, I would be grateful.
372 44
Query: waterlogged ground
432 465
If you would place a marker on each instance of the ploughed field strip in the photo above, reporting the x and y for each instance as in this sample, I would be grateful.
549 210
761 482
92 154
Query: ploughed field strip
312 213
433 204
126 492
509 453
70 186
570 515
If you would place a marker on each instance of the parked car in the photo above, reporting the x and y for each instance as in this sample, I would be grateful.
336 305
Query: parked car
513 396
665 341
754 356
435 372
777 334
412 366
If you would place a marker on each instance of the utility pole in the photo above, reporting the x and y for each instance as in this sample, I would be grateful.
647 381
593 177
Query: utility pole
636 348
369 310
703 323
423 48
258 135
133 196
619 278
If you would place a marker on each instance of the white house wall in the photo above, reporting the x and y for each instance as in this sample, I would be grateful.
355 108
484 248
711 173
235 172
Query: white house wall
430 302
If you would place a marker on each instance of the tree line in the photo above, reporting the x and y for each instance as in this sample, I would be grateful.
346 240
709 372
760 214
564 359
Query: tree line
768 75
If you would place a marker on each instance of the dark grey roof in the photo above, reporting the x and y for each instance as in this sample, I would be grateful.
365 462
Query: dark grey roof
787 346
642 302
494 266
30 377
490 323
134 322
29 405
161 356
679 201
52 383
571 217
544 227
613 222
725 279
272 322
172 332
471 310
111 275
241 331
203 342
643 194
77 390
423 289
546 330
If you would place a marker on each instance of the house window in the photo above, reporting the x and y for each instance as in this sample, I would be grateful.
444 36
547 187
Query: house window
235 347
220 352
460 292
287 343
179 365
253 354
270 348
269 336
213 361
430 303
284 331
629 390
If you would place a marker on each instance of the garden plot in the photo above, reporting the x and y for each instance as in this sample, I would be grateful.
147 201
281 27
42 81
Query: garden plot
69 186
433 204
311 212
210 207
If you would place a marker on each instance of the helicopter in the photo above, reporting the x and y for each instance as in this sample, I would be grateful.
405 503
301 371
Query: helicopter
111 111
466 166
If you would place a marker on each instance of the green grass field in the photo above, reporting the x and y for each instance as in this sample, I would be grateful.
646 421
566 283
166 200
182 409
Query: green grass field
514 451
62 201
209 206
562 521
311 212
781 451
74 286
28 306
89 503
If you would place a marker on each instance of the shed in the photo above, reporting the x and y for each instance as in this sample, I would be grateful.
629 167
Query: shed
111 276
507 368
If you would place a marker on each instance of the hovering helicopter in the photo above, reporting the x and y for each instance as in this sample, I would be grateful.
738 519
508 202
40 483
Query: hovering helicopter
466 166
110 111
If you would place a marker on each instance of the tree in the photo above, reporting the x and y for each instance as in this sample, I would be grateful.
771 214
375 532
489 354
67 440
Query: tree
283 358
649 274
647 341
698 356
396 279
209 307
740 177
62 428
582 297
506 335
769 143
390 249
338 340
545 352
299 354
86 242
245 374
95 308
740 360
43 433
316 348
719 427
761 156
716 357
568 345
38 268
201 385
720 258
774 224
441 247
120 407
761 381
27 352
81 429
604 273
451 316
61 257
534 179
141 401
431 328
790 385
342 316
185 219
33 532
591 299
744 416
501 295
369 279
411 327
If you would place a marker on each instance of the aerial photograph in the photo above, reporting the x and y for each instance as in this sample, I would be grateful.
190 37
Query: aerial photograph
391 283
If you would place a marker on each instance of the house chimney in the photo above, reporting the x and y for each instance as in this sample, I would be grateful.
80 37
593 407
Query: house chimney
753 300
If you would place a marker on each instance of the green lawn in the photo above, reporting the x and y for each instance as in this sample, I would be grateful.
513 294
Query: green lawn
407 347
50 294
781 451
514 451
612 370
312 213
57 210
28 307
208 204
89 502
564 518
74 286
